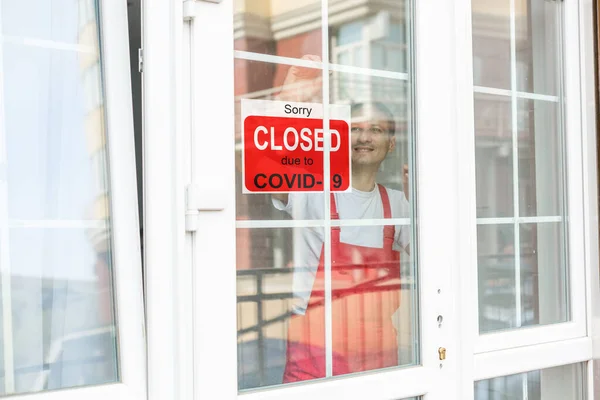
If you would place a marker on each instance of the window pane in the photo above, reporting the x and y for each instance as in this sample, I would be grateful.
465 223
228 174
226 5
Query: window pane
496 274
523 290
380 35
543 276
493 156
520 163
558 383
278 27
57 299
282 238
537 27
540 158
491 43
57 20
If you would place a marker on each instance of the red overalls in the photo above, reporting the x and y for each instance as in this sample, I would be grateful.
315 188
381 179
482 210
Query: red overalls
365 295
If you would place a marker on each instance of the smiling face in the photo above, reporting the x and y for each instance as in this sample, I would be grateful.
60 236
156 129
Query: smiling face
372 138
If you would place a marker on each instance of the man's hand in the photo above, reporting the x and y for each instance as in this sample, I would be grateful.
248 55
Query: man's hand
302 84
283 197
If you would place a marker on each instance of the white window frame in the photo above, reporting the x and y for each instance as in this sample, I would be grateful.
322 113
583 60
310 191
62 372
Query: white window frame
537 348
575 228
124 222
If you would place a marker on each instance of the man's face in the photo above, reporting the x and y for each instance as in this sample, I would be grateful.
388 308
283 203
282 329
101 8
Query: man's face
371 141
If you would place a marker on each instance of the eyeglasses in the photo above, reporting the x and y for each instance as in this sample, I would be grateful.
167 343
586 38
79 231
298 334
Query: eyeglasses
373 130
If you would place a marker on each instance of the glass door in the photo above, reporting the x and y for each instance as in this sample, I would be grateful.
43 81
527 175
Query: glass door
321 137
408 204
71 311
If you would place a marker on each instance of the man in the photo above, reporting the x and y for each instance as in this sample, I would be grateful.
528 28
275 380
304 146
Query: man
365 259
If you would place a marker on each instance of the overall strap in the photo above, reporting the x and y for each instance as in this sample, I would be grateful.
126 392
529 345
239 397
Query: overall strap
389 231
385 199
333 207
335 230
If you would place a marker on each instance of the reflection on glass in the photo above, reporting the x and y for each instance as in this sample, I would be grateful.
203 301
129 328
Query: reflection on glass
377 38
272 281
537 24
491 43
278 27
57 311
558 383
493 156
544 282
62 21
281 237
496 275
373 294
62 313
520 163
540 159
537 28
540 297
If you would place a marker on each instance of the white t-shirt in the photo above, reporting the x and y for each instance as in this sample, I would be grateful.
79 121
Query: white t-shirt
356 204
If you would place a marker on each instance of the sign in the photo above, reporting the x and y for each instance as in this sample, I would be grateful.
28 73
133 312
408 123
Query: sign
283 147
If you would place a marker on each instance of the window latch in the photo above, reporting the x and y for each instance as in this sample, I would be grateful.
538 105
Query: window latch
189 8
209 201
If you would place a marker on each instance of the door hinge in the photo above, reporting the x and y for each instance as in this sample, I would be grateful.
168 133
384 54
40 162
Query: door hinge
140 60
210 200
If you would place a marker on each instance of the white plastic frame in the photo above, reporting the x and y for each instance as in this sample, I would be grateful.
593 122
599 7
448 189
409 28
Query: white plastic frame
124 217
576 327
506 353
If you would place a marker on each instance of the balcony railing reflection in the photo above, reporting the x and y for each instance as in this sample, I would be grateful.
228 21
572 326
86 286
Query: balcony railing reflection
264 309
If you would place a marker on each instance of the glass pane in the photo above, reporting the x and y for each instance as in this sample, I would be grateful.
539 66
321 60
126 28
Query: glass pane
268 276
558 383
283 236
62 329
57 309
539 297
543 274
540 159
520 163
278 27
58 20
493 156
496 274
377 36
537 28
491 43
280 320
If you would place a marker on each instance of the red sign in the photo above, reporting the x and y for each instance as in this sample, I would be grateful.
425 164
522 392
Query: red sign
285 154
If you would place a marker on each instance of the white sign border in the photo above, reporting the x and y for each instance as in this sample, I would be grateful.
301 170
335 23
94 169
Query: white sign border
276 108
